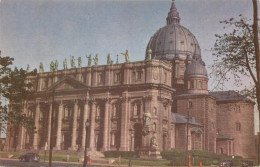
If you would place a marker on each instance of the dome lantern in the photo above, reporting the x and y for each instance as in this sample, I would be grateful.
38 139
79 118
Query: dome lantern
173 15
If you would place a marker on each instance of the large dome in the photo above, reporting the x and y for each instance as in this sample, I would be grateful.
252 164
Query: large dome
174 41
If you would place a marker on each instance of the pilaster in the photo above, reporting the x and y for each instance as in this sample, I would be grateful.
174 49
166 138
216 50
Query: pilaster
49 126
59 126
124 125
106 118
85 117
92 146
36 121
74 126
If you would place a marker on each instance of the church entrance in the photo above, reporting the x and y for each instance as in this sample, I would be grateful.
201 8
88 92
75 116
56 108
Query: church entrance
66 141
137 136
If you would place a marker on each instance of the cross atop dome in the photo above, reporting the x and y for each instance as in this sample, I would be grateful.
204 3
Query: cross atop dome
173 15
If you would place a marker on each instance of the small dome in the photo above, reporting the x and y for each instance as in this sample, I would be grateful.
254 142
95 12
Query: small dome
174 41
196 69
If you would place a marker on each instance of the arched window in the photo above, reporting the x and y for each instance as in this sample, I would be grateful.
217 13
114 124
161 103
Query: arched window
136 108
154 126
100 78
98 111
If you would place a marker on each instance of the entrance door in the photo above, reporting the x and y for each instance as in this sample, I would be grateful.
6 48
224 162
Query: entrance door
137 136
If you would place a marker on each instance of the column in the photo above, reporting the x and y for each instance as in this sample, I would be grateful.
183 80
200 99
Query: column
74 126
36 121
124 126
105 136
49 127
59 126
92 127
85 117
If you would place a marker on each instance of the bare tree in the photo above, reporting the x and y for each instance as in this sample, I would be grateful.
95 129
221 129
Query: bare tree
237 55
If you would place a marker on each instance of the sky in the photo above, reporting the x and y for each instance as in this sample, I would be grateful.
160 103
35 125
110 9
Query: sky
46 30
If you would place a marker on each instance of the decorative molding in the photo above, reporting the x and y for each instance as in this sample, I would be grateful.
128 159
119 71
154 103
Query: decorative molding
147 98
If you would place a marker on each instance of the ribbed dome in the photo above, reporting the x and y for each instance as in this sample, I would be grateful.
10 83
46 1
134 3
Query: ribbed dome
174 41
197 69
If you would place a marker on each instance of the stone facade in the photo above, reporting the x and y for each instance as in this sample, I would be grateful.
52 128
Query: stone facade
171 86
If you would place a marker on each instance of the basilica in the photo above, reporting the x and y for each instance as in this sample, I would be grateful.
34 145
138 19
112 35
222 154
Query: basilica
159 103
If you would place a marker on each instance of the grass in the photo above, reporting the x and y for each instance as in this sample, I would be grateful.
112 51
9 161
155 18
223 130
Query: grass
138 162
55 156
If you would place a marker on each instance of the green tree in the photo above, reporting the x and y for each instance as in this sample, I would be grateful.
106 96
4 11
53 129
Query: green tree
14 89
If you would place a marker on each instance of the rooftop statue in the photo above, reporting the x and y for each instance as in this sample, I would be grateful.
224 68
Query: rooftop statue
41 69
79 62
108 59
65 64
28 68
96 60
89 60
52 66
72 62
126 56
149 54
56 65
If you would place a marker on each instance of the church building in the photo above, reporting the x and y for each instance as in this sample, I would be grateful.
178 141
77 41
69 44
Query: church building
138 105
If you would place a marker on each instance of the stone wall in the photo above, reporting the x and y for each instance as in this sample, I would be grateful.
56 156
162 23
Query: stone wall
236 119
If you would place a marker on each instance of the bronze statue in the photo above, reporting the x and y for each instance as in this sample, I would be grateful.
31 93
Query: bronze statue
89 60
52 66
126 56
108 59
72 62
96 60
65 64
79 62
149 54
41 68
56 65
28 68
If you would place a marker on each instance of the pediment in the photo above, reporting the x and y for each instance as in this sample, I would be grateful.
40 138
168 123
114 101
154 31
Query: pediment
65 86
67 83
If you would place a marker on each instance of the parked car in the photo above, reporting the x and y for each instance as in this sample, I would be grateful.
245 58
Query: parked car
247 163
30 157
226 163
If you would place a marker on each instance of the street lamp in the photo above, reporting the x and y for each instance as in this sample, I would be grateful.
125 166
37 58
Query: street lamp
131 140
85 153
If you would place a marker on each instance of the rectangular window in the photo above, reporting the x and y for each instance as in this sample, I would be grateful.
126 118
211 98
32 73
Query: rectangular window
238 126
118 77
139 75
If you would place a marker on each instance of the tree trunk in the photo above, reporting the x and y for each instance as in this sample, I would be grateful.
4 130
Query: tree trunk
257 54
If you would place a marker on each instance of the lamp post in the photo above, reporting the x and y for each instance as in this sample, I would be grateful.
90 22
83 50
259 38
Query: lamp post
187 136
85 153
131 140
